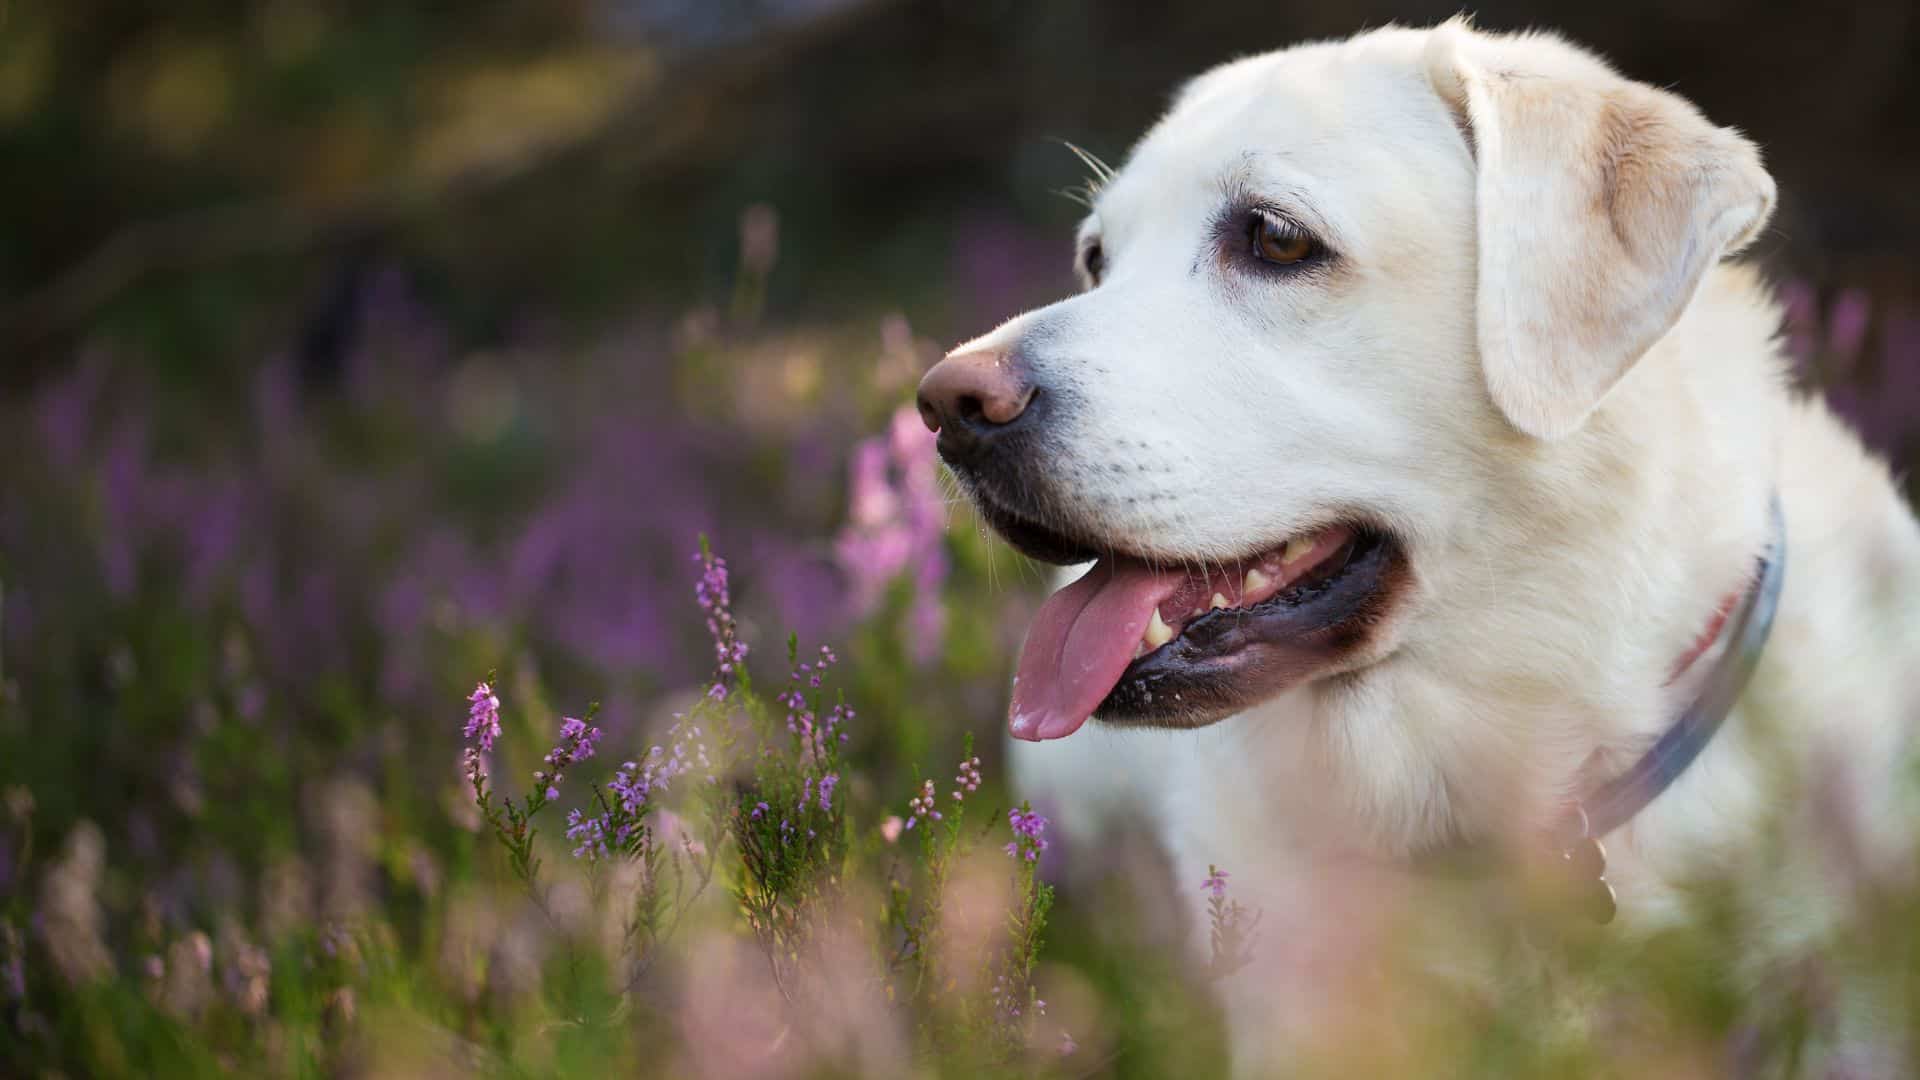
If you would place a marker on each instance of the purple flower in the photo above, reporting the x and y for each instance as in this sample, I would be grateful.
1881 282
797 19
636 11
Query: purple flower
589 833
1028 829
579 736
816 735
827 784
1026 823
716 599
921 805
896 526
967 780
1216 882
577 743
871 500
633 784
483 716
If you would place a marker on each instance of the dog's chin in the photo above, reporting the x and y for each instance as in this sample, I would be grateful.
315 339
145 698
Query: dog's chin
1221 649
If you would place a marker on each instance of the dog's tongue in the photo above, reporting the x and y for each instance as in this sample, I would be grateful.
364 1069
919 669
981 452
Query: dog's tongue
1080 642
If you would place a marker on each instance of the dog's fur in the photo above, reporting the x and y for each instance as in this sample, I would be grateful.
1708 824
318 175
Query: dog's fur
1529 363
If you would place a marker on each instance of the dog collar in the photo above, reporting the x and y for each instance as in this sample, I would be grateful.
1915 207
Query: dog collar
1745 618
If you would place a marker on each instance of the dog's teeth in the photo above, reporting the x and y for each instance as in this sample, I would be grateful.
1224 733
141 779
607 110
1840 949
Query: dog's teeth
1218 601
1297 548
1158 632
1255 582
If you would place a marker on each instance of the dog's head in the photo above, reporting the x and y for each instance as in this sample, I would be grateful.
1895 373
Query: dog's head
1336 296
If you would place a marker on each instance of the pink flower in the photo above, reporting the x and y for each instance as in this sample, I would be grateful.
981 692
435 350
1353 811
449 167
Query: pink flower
483 716
896 524
1028 829
870 498
1216 882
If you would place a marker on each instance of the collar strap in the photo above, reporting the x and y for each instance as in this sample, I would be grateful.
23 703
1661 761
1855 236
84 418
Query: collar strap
1618 800
1574 844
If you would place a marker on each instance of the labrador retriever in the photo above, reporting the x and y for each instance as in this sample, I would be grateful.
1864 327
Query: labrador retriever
1442 488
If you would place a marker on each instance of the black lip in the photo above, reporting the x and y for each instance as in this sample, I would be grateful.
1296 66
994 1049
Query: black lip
1031 538
1228 660
1003 471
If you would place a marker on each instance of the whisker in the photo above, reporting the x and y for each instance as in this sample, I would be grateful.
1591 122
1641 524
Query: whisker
1102 171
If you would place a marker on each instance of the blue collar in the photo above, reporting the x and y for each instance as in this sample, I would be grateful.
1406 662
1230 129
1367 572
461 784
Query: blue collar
1621 798
1575 843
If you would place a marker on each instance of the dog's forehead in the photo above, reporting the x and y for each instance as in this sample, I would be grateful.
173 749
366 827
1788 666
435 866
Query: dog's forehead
1309 116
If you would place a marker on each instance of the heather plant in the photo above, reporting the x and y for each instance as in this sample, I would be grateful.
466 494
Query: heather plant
239 638
758 804
749 885
1232 928
924 959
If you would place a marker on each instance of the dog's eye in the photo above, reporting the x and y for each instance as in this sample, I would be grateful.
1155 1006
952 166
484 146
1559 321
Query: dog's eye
1278 241
1094 261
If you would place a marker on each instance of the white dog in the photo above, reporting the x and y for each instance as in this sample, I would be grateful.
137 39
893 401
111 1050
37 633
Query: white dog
1430 457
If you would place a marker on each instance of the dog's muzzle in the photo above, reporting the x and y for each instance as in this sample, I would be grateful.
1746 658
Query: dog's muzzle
994 420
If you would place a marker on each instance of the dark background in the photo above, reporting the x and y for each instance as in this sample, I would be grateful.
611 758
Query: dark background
875 128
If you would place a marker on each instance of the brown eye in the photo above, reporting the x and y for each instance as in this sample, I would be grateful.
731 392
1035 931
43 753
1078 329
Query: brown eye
1279 242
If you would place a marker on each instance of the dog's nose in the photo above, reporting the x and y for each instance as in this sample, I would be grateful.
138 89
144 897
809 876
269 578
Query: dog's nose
968 395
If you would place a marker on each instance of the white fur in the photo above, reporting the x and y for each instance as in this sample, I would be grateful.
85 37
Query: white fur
1574 422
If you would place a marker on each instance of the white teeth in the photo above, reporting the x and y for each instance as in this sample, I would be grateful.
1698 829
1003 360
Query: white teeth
1218 601
1255 582
1297 548
1158 632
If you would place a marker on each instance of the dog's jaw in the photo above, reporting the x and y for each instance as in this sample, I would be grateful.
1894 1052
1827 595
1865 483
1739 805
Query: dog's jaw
1143 645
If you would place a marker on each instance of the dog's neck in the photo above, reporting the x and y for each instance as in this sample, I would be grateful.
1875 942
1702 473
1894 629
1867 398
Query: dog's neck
1731 644
1697 425
1593 563
1727 652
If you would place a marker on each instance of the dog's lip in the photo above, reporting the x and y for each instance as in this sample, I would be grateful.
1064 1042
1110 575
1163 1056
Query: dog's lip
1227 660
1222 643
1035 539
1049 543
1223 632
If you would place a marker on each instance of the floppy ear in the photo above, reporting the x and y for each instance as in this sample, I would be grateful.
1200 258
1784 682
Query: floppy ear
1602 203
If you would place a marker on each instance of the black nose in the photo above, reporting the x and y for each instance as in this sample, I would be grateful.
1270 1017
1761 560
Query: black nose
971 397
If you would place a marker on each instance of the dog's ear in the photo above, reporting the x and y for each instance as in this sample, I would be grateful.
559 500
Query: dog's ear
1602 203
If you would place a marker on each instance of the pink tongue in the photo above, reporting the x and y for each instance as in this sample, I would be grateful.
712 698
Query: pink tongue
1080 642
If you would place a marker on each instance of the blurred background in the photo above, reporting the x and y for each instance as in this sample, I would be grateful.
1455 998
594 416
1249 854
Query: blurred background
350 351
